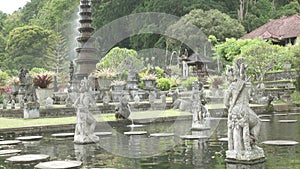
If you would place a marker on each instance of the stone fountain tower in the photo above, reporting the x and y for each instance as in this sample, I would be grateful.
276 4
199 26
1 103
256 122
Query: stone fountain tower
86 60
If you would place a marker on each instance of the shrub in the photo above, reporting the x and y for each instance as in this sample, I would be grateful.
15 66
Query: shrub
164 84
215 81
42 80
175 81
296 97
188 82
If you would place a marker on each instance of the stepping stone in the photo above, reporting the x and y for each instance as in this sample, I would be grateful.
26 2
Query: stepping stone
225 139
200 128
102 168
280 142
215 118
294 113
58 165
161 134
103 133
265 115
62 135
10 142
193 137
287 121
9 152
281 114
135 125
135 132
29 138
28 158
265 120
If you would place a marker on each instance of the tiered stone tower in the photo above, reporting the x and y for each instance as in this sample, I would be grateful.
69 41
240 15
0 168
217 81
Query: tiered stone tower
86 58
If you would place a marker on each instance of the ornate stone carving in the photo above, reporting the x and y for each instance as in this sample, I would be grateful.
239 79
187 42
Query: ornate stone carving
200 112
86 123
243 123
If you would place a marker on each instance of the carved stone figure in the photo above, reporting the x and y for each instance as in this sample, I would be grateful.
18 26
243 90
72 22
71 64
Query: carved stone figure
86 123
243 123
199 110
123 108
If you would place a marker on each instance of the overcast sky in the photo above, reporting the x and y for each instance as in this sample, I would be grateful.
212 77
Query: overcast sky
9 6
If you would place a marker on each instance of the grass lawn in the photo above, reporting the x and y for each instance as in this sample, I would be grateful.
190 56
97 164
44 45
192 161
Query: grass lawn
14 123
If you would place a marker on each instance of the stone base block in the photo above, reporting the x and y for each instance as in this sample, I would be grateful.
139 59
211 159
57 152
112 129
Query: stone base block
31 113
246 157
90 139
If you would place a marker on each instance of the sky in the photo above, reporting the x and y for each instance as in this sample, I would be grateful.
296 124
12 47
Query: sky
9 6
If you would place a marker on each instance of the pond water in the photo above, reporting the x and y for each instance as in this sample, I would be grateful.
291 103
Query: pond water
143 151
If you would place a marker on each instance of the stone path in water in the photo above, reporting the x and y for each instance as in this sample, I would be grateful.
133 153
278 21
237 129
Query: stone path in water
59 165
135 133
10 142
281 142
161 134
62 135
29 138
28 158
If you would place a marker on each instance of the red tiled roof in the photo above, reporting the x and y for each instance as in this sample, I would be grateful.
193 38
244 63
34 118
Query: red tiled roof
285 27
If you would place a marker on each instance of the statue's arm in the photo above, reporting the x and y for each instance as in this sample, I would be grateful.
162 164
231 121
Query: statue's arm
227 96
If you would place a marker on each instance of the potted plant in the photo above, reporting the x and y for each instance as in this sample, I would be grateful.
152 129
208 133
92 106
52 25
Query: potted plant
104 78
118 85
42 82
149 80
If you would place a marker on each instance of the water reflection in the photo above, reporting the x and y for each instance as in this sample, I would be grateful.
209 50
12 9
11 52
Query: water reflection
244 166
188 154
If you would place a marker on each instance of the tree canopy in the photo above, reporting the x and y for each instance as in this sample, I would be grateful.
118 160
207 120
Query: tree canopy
28 45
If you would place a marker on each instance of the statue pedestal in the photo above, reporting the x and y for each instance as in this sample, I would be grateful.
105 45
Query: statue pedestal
31 110
253 156
31 113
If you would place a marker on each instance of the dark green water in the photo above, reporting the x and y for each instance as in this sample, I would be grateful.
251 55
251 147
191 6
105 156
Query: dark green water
119 151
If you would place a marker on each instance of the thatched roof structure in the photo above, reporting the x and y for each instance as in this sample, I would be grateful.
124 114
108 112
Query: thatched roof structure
278 29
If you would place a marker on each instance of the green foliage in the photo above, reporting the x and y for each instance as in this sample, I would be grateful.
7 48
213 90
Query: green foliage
1 98
295 49
262 57
164 84
28 45
188 82
231 48
3 77
120 60
37 70
214 22
296 97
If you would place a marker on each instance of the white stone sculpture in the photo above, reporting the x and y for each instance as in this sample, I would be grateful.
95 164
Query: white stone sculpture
86 123
243 123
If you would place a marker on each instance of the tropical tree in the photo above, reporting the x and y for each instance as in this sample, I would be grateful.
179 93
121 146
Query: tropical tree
28 45
214 22
262 57
120 60
295 49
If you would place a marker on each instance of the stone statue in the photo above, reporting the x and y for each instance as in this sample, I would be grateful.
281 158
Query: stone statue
123 108
86 123
199 110
243 123
30 100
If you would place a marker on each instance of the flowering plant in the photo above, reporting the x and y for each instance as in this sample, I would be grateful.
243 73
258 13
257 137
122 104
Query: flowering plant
42 80
14 80
105 73
5 90
149 77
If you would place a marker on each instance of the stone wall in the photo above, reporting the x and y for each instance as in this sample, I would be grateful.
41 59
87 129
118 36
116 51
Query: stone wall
67 112
281 75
